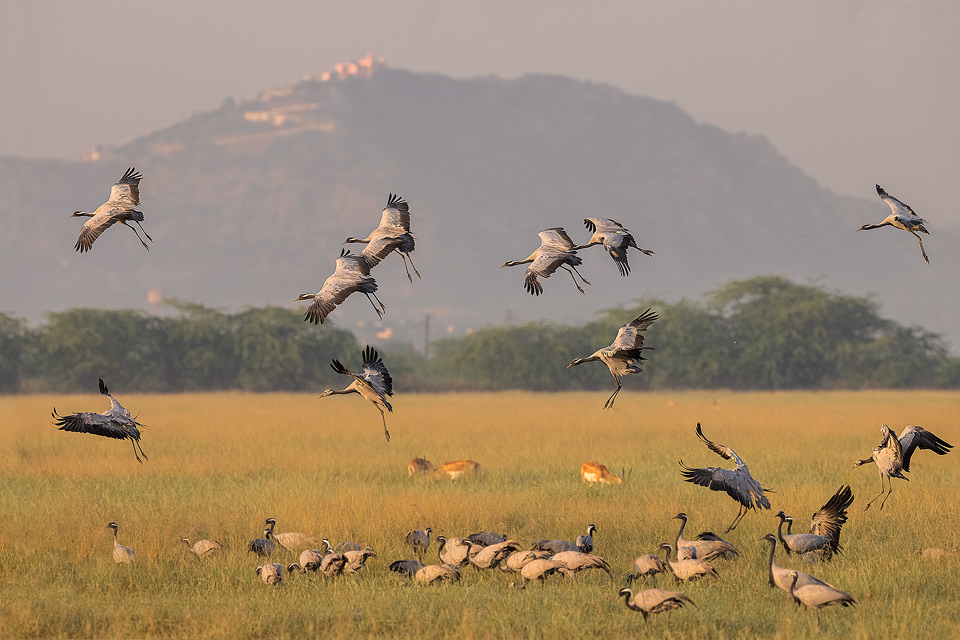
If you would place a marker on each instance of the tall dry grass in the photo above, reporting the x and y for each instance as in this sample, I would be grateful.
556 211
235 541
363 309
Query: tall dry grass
221 463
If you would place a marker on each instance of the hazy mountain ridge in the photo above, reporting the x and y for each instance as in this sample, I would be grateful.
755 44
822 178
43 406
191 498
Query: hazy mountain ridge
248 204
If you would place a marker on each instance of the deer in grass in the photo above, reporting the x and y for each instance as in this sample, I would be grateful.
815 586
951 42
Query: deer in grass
457 469
419 467
596 472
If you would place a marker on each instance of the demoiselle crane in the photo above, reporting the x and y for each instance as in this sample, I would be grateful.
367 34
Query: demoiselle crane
614 238
825 525
373 384
351 275
736 482
893 454
393 234
653 600
121 207
116 422
121 554
623 357
556 251
902 217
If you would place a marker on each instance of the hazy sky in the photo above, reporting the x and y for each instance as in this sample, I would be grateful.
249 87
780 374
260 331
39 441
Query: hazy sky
853 92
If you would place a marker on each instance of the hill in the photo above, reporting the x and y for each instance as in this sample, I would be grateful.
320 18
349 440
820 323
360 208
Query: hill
248 205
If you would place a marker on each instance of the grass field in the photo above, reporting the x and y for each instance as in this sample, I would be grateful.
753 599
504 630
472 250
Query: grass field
221 463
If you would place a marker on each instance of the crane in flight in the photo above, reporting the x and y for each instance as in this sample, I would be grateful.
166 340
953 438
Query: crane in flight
121 207
902 217
374 383
623 357
351 275
736 482
393 234
614 238
556 251
115 422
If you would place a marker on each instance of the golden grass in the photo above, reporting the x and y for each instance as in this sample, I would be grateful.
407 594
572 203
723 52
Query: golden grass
221 463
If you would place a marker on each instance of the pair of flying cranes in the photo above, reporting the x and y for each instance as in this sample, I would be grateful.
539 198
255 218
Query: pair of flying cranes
556 251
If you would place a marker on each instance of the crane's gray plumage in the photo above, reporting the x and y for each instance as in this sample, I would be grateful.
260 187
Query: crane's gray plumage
373 384
263 546
585 542
491 556
203 548
818 596
893 454
539 569
486 538
554 546
646 565
121 207
393 234
115 422
614 238
902 217
516 560
690 569
271 573
357 559
576 561
351 275
452 551
292 541
653 600
624 356
418 540
437 573
121 554
556 251
825 526
779 576
704 548
736 482
408 567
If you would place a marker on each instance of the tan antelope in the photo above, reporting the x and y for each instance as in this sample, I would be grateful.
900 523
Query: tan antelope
596 472
419 467
457 469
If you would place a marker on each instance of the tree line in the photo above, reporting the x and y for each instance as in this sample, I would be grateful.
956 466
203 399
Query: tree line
762 333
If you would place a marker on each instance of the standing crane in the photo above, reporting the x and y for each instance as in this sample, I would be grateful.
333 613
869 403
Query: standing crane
374 384
623 357
825 525
116 422
352 274
614 238
736 482
893 454
902 217
121 554
121 207
818 595
653 600
393 234
419 540
556 251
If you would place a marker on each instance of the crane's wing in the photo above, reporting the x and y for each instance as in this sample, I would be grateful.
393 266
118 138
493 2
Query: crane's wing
629 337
127 189
349 264
723 451
396 213
333 293
726 480
97 424
828 520
546 264
914 437
92 229
375 372
380 246
556 238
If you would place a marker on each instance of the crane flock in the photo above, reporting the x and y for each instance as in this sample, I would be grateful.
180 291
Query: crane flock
486 550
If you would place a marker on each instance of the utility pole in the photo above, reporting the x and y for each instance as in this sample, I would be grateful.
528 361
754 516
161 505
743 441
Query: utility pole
426 333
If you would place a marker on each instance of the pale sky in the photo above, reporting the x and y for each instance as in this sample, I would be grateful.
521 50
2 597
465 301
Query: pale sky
854 92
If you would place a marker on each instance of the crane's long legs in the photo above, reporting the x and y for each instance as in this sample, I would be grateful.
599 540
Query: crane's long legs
920 240
384 418
890 485
736 521
878 495
135 451
379 313
138 236
609 404
405 256
144 230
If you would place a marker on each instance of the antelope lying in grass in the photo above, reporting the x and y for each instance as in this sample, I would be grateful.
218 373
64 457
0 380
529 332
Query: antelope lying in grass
596 472
457 469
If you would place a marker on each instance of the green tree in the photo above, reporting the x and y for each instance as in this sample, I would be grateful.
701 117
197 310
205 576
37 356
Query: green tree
12 338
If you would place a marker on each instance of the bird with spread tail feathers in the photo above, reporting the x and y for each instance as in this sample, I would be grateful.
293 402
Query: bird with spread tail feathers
736 482
374 384
393 234
121 207
116 422
352 274
623 357
556 251
825 525
614 238
902 217
893 454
